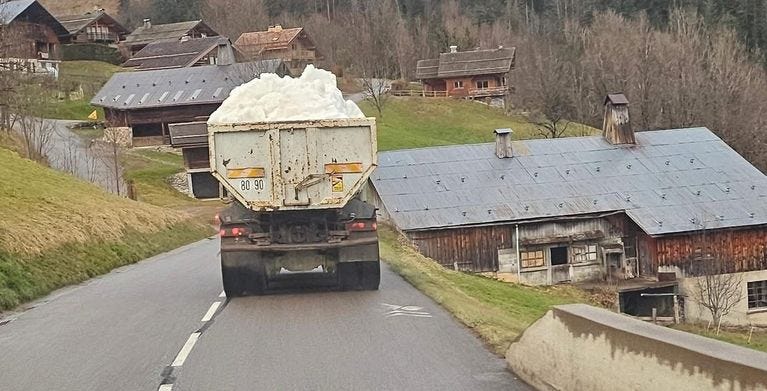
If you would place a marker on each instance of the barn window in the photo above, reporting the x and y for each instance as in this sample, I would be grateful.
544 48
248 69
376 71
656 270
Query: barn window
585 253
532 258
458 84
482 84
558 256
757 295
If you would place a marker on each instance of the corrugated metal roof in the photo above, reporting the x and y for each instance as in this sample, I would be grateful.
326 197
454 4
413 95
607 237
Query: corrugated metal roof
671 181
181 86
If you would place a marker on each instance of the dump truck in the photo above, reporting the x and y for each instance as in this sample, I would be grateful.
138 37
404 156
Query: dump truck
296 218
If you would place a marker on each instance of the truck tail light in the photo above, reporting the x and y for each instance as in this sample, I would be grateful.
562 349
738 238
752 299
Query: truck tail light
233 232
362 225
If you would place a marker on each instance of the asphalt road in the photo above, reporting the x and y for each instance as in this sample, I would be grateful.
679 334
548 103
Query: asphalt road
136 328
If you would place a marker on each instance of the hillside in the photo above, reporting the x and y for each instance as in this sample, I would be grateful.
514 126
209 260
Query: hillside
424 122
57 230
74 7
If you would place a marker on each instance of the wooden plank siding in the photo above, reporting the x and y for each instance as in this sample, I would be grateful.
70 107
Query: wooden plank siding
474 249
740 250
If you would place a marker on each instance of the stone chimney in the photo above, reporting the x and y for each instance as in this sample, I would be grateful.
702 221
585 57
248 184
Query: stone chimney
147 23
185 38
274 29
616 128
503 147
453 49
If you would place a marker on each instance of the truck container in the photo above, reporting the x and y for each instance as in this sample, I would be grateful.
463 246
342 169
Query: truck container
296 219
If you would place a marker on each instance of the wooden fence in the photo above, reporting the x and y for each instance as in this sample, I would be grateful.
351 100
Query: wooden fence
425 94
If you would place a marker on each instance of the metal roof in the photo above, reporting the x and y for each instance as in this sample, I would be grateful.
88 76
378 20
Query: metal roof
181 86
174 53
671 181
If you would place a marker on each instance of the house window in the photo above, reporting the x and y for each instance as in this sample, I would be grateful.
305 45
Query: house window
558 256
532 258
503 81
482 84
586 253
458 84
757 295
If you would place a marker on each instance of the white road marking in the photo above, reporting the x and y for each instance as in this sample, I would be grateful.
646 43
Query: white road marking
405 310
165 387
222 294
184 353
212 310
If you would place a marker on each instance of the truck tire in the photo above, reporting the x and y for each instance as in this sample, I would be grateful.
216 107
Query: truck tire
371 275
241 280
359 275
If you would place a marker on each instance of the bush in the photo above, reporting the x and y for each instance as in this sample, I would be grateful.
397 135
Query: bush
91 51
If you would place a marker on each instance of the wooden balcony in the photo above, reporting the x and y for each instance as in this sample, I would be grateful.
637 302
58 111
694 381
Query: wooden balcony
488 92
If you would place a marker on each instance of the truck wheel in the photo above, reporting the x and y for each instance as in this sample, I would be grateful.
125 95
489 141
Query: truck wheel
241 280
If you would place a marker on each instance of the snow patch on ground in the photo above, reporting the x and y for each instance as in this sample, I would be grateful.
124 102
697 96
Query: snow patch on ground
271 98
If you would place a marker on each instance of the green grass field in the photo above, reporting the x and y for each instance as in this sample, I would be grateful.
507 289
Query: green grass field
426 122
90 76
150 171
57 230
495 310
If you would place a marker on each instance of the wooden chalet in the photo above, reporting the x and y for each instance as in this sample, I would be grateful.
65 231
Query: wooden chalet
469 74
183 53
139 106
32 38
92 27
292 45
148 33
650 213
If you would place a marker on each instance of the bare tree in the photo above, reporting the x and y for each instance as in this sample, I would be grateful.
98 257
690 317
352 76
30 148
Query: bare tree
376 92
716 290
36 133
112 158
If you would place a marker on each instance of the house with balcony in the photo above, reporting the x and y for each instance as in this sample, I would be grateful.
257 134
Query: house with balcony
92 27
294 46
31 33
470 74
148 33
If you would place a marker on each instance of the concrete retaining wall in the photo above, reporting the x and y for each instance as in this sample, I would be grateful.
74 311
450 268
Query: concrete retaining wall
580 347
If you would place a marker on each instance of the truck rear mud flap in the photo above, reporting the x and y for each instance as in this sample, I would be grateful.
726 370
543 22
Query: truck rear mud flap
260 272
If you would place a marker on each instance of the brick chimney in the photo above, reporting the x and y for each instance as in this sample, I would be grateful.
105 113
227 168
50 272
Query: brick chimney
616 127
503 147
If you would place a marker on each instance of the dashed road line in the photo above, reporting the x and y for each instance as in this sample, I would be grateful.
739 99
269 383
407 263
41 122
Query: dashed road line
211 311
185 350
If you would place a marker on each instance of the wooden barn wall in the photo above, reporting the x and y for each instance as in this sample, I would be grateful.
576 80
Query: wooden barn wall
172 114
739 250
476 248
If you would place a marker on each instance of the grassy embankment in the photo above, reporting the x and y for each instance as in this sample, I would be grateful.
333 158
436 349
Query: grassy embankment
426 122
90 75
737 336
495 310
56 230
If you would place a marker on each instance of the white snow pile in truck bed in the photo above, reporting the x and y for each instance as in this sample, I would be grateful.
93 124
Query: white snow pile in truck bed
271 98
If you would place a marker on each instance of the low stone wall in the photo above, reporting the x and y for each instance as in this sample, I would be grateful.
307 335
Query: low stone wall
580 347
